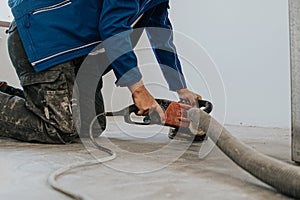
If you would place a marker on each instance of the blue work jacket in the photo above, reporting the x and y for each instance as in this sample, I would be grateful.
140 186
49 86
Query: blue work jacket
56 31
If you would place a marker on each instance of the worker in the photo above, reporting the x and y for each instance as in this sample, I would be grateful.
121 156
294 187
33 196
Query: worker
48 42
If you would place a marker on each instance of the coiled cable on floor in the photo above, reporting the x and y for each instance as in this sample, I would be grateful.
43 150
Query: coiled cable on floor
53 178
283 177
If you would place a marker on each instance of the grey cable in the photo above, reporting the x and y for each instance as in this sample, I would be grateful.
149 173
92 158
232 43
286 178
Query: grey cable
53 178
281 176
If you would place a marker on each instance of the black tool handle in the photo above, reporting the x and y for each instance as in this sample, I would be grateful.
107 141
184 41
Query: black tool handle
126 112
133 109
206 106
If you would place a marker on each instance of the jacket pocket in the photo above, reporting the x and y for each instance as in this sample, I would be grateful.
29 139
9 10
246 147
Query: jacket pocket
47 25
39 78
55 31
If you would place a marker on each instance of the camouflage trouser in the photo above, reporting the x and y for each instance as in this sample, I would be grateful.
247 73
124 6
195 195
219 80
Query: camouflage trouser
45 115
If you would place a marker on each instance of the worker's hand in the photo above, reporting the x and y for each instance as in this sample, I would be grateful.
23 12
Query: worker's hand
187 96
145 102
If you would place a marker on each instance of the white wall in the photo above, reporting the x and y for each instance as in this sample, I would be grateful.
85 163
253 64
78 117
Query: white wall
248 40
5 14
6 71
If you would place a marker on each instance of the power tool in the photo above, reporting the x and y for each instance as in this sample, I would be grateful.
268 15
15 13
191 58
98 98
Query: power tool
176 118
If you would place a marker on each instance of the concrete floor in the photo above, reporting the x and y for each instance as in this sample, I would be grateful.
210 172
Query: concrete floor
146 168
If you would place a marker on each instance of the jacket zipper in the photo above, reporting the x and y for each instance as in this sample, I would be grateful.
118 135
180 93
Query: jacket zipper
53 7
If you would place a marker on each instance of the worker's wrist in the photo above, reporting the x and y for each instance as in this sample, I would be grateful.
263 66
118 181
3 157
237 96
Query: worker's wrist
136 87
182 90
177 84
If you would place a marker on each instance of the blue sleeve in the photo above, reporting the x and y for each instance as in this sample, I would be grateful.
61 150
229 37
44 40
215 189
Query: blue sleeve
164 49
114 24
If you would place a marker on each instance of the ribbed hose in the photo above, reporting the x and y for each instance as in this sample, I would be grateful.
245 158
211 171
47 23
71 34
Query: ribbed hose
283 177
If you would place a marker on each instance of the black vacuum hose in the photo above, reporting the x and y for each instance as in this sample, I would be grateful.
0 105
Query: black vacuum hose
283 177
